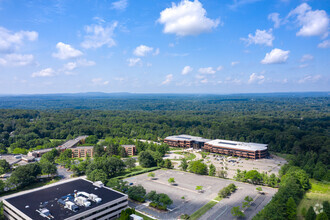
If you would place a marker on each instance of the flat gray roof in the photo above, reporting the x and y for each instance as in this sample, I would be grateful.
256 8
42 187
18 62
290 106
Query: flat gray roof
185 137
83 147
71 143
68 144
238 145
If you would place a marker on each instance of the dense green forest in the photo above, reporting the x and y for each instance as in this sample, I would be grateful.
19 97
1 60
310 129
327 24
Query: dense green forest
297 125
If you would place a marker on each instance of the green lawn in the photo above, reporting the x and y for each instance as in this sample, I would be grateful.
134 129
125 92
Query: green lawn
135 171
176 148
188 156
218 198
52 140
100 141
285 156
204 154
143 216
319 192
202 210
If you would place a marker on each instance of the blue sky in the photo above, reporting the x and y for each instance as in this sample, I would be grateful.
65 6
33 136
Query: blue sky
152 46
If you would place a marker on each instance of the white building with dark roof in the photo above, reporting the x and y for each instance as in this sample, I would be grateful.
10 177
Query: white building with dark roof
70 199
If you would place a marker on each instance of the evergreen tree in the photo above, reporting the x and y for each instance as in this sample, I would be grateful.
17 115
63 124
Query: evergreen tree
322 216
310 214
326 208
291 209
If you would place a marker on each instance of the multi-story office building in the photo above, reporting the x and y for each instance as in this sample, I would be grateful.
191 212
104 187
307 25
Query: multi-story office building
186 141
235 148
71 199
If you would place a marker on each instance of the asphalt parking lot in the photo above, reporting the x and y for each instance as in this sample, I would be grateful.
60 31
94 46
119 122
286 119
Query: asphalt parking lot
267 165
193 200
63 172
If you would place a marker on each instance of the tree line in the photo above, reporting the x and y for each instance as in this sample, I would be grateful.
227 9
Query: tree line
297 126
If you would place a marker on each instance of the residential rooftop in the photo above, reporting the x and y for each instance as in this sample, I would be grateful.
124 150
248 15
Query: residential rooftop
185 137
48 197
238 145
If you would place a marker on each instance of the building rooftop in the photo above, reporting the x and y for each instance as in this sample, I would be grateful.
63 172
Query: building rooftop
83 147
11 158
125 146
185 137
66 145
238 145
48 197
71 143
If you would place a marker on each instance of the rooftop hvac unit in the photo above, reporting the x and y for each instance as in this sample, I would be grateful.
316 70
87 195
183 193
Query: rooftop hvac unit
98 184
68 197
84 194
45 213
82 201
61 202
70 205
94 198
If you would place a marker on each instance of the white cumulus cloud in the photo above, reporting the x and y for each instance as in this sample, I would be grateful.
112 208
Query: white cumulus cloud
142 50
260 37
219 68
79 63
204 80
120 5
238 3
16 59
157 51
98 36
324 44
168 79
306 57
310 78
255 78
312 23
70 66
186 70
84 62
275 17
66 51
11 41
234 63
134 61
186 18
99 82
48 72
276 56
207 70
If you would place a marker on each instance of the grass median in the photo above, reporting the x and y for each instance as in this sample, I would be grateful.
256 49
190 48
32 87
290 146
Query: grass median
202 210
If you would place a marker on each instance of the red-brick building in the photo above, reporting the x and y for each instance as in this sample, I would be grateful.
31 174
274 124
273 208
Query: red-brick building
186 141
130 149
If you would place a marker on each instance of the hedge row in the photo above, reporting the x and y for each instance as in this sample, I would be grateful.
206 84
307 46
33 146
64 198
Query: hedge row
146 170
